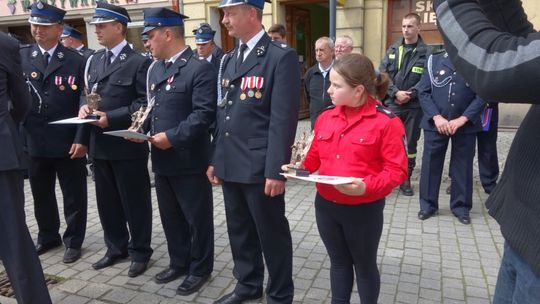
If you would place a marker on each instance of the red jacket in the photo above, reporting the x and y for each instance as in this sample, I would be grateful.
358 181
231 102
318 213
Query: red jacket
370 147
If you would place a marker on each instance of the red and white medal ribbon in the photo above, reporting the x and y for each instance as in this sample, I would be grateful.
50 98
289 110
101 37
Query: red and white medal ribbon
259 83
169 81
71 80
243 86
58 80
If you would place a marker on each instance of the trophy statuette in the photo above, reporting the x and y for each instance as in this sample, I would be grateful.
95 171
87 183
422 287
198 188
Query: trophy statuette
299 151
92 101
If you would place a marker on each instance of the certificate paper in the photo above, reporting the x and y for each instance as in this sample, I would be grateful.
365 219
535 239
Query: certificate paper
73 120
323 179
128 134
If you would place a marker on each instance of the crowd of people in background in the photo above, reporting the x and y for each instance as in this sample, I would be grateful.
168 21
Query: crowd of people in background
366 124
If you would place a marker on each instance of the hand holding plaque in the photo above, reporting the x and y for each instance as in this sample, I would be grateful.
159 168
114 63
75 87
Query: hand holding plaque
299 151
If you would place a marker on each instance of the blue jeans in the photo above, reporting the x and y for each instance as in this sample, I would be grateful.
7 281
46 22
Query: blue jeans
517 283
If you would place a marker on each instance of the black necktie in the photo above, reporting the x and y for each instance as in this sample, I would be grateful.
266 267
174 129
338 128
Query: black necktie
240 58
108 58
46 57
168 65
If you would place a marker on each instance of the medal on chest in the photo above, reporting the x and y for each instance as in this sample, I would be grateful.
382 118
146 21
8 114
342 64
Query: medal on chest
71 82
169 81
58 83
243 87
259 81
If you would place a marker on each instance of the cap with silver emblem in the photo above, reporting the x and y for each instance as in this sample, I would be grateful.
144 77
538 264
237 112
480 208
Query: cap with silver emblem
45 14
71 32
106 12
204 33
256 3
159 17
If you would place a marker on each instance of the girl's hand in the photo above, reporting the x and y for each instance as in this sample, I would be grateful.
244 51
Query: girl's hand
355 188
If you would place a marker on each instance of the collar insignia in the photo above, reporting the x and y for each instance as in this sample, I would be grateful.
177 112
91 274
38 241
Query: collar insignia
260 50
60 55
34 53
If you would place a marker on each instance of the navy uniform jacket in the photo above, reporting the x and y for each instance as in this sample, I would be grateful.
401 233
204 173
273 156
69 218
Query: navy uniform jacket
183 112
446 93
60 86
14 104
254 136
122 87
217 53
86 52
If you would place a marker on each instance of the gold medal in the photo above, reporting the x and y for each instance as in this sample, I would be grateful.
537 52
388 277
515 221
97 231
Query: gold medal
61 87
258 94
74 87
33 74
243 96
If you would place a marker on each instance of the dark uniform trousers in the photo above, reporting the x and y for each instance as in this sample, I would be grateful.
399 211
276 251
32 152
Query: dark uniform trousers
488 162
72 178
256 221
255 133
444 92
118 202
185 106
59 84
185 208
120 166
17 250
411 118
461 171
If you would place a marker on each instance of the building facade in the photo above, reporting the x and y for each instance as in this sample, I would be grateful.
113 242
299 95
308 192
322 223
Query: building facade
373 25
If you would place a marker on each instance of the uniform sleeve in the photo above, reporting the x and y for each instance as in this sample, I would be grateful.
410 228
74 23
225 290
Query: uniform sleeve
472 112
424 95
498 65
283 114
203 102
383 67
119 118
83 132
18 91
394 157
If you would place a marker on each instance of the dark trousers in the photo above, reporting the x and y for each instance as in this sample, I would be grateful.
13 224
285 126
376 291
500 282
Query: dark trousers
186 211
17 252
488 162
351 234
461 171
72 178
411 120
123 196
257 226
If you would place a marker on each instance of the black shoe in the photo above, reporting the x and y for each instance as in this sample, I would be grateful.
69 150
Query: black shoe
406 188
42 248
71 255
137 268
464 219
107 261
191 284
169 274
424 215
449 190
233 298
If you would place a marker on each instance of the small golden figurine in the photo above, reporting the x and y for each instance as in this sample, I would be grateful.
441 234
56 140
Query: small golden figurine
299 151
92 100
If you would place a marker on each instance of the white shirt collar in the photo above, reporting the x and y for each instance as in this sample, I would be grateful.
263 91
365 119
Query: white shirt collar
117 49
209 58
173 58
325 71
50 51
80 47
253 42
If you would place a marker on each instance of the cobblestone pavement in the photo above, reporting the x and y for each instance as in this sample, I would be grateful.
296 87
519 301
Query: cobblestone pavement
435 261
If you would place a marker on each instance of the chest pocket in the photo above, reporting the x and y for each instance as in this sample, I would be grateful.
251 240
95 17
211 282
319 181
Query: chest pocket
362 146
121 80
179 87
324 143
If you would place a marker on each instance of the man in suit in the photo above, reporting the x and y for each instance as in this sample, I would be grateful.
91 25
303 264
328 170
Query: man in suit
72 38
17 251
118 74
451 112
54 74
258 103
206 47
183 90
317 79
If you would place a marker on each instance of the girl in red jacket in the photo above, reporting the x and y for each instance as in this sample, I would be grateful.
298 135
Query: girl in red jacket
361 139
